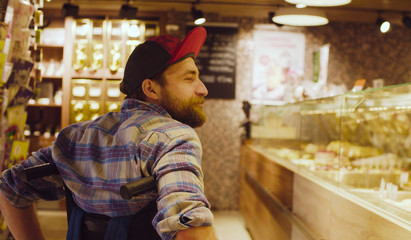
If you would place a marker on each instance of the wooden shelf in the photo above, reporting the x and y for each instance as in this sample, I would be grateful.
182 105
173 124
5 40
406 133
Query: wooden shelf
52 77
46 77
48 46
99 74
51 105
115 76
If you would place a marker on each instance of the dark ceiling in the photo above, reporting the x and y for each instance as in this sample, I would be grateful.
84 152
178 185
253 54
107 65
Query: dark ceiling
357 10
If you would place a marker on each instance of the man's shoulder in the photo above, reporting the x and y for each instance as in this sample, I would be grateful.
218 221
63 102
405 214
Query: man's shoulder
164 125
149 122
171 127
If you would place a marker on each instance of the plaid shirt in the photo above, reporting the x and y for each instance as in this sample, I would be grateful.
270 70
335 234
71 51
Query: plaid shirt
95 158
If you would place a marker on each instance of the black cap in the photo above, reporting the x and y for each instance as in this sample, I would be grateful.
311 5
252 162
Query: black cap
156 54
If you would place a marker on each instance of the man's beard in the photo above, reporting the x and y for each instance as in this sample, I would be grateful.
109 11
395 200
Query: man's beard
188 112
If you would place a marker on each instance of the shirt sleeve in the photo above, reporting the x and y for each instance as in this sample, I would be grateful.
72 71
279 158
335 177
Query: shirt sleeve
22 193
182 203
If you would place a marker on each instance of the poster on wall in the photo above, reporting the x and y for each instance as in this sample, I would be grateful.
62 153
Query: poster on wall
320 63
217 61
278 64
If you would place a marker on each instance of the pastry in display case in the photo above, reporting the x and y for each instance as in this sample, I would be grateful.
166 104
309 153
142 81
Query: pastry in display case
358 141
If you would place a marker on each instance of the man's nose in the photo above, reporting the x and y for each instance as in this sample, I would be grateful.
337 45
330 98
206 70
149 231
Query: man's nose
202 89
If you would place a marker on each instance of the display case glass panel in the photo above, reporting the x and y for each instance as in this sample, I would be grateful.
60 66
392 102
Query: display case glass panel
86 102
81 49
97 45
135 35
115 45
359 142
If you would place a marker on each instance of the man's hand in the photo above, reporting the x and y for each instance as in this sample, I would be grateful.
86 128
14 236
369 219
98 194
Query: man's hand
22 222
200 233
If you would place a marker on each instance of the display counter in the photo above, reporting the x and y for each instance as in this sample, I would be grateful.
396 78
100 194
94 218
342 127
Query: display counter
333 168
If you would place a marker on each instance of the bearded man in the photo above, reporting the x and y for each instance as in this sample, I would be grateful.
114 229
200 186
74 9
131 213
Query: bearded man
153 135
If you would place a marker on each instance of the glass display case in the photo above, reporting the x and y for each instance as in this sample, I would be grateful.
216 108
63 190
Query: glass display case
359 142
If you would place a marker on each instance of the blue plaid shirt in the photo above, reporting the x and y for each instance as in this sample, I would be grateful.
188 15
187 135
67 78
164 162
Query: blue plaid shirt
95 158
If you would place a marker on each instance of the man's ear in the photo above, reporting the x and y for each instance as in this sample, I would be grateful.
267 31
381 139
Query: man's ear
150 89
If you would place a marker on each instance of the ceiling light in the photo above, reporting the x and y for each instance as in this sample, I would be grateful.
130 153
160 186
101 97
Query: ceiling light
407 21
320 3
197 16
383 24
385 27
300 17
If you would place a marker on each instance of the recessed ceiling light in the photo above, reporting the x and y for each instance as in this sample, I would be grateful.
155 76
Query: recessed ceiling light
198 16
300 5
383 24
300 17
320 3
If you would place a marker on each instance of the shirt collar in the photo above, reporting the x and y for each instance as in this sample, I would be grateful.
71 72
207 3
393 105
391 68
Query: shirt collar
135 104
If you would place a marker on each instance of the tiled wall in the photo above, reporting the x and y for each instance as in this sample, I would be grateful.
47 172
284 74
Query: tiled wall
356 51
360 51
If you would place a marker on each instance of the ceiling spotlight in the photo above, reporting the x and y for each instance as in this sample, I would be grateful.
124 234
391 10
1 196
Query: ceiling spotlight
127 11
69 10
383 24
300 5
198 16
406 20
320 3
271 17
300 17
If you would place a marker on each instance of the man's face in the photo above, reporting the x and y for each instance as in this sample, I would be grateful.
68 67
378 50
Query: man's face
183 94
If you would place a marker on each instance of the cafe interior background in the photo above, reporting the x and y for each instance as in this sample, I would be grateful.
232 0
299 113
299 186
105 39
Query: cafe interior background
347 53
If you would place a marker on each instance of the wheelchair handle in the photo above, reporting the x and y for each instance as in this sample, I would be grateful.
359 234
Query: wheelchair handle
42 170
129 190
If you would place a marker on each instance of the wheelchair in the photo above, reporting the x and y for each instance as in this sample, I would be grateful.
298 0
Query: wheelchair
90 226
